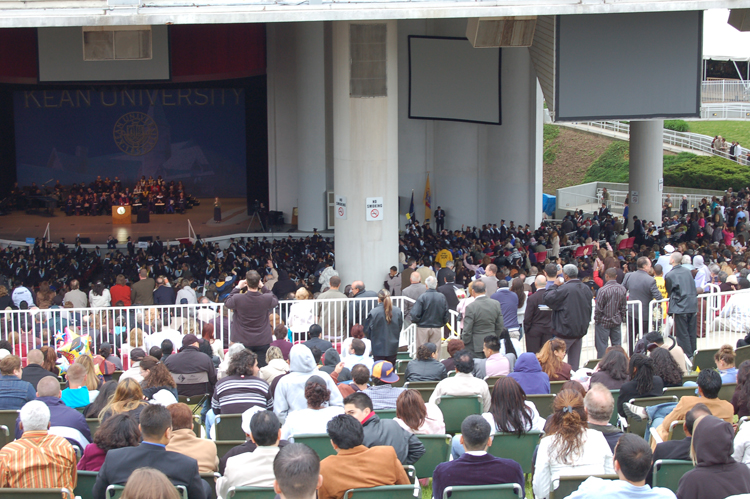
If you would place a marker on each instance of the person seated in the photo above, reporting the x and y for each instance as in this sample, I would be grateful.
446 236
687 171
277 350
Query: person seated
248 445
666 368
297 472
551 359
118 431
599 405
38 459
357 355
265 434
315 418
128 398
680 449
149 483
77 394
197 368
184 440
355 466
716 475
275 365
569 447
612 371
334 367
476 466
495 364
643 382
414 416
106 360
106 392
464 382
360 380
314 340
156 377
64 421
672 347
156 430
709 384
281 332
34 371
134 371
724 360
632 462
241 388
383 431
14 391
426 366
382 392
528 373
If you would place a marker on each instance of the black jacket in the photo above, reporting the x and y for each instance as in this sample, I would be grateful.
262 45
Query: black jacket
33 373
382 335
425 370
191 361
164 295
180 469
571 305
449 291
683 296
430 310
629 391
671 449
388 432
537 321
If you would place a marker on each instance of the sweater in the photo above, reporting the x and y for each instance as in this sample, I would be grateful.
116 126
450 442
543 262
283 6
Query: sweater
471 469
92 459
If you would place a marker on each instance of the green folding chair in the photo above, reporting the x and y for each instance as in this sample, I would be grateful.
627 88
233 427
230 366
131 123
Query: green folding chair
543 403
727 391
93 425
229 427
224 446
499 491
690 377
704 359
515 447
115 491
455 410
116 375
491 380
437 450
681 391
85 485
569 484
639 427
592 363
403 356
741 354
615 417
251 493
8 420
401 366
319 442
386 413
425 388
210 479
676 430
4 435
382 492
556 386
667 472
62 493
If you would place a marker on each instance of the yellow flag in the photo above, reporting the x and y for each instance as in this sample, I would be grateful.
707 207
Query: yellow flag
427 200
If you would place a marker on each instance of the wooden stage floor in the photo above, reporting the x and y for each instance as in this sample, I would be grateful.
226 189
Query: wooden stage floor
17 226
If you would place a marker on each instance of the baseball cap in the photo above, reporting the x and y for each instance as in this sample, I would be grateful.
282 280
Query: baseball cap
137 354
383 370
189 339
668 248
247 416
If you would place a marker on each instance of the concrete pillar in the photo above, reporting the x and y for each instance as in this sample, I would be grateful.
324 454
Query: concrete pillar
365 164
646 169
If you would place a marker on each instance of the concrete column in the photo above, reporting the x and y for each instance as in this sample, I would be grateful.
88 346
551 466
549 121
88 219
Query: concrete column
646 169
365 164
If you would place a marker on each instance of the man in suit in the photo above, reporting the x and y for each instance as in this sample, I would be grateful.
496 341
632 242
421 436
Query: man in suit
163 294
446 272
642 287
483 317
449 291
476 466
156 430
537 322
142 292
439 219
489 279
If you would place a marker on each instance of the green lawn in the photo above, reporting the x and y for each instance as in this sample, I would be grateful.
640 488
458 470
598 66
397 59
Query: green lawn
730 130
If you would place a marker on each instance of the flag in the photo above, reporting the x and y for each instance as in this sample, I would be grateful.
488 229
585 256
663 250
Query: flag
410 215
427 200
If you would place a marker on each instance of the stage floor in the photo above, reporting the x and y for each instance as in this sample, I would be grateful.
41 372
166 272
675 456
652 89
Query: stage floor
17 226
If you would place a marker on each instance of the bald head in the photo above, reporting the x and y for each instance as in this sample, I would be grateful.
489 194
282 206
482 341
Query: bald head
675 258
48 387
76 375
414 278
35 357
540 281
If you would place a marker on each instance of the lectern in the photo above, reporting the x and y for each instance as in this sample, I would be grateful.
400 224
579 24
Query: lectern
121 215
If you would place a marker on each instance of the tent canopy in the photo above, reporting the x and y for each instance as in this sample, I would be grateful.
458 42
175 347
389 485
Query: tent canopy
721 41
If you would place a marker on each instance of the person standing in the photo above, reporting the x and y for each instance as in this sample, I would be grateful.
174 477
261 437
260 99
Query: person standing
610 312
393 281
490 279
439 219
384 328
142 292
217 210
683 304
643 288
537 321
570 301
252 304
483 317
430 313
414 290
332 315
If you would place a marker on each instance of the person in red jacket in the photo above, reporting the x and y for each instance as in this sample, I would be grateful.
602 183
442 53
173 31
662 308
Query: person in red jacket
120 292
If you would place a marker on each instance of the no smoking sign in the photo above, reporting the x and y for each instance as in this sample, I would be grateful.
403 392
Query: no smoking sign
341 207
374 209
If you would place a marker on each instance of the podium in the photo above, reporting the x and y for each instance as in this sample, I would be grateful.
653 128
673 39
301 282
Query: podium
121 215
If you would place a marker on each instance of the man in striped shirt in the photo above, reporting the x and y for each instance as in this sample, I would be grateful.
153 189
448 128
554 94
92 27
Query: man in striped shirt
38 459
610 312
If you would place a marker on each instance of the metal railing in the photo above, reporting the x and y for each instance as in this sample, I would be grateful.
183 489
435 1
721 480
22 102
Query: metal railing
725 111
694 200
725 91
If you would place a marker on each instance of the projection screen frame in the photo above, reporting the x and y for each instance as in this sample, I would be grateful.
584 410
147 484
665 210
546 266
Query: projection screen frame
652 116
499 83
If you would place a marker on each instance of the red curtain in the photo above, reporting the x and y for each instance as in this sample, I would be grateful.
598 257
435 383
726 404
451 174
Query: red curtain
18 62
203 52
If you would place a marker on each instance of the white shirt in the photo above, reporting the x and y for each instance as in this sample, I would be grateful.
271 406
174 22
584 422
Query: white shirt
260 461
155 339
309 421
188 293
352 360
462 384
102 300
347 343
737 310
134 372
301 316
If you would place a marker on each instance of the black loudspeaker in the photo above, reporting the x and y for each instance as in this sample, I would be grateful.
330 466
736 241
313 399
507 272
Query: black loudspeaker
85 240
143 216
145 239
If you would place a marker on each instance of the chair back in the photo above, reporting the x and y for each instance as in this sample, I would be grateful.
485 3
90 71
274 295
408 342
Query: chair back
319 442
224 446
251 493
518 448
437 450
543 403
667 472
382 492
681 391
85 484
498 491
229 427
455 410
386 413
94 424
8 420
591 364
676 430
62 493
115 491
727 391
690 377
491 380
741 354
425 388
569 484
704 359
556 386
639 427
116 375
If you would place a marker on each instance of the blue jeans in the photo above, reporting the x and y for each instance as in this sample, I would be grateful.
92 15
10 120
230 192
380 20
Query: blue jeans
457 450
211 419
656 415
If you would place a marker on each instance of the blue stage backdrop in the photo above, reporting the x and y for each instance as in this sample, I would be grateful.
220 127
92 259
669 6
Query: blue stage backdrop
196 136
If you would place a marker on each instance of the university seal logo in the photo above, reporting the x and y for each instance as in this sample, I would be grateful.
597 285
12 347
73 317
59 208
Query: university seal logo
136 133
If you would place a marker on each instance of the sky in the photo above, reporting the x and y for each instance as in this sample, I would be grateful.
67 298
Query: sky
721 40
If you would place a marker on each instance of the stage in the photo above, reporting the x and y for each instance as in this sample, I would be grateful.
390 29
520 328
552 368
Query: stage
17 226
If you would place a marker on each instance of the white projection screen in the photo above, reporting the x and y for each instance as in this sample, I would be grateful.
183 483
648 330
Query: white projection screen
451 80
628 66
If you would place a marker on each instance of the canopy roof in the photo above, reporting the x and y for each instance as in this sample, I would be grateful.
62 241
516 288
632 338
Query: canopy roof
721 41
